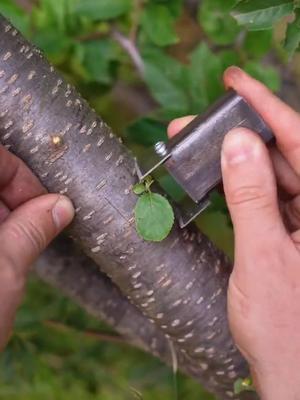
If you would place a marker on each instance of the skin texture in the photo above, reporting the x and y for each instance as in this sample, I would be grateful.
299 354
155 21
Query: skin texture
29 220
262 189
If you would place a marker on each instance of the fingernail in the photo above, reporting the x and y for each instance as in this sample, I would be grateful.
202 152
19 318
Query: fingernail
239 146
233 74
63 212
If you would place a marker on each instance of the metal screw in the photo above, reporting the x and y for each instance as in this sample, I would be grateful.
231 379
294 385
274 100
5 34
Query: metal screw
161 149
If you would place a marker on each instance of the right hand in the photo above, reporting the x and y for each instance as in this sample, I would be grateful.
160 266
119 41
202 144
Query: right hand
264 289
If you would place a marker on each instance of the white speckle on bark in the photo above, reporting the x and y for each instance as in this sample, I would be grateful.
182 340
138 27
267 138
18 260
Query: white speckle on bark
132 267
137 286
101 184
7 136
119 160
34 150
232 375
3 113
2 73
150 293
228 361
174 243
230 394
190 285
204 366
208 307
12 79
151 300
108 220
136 275
211 336
16 92
31 75
8 124
7 28
199 350
199 301
160 267
220 373
190 322
29 55
96 249
100 141
159 315
89 215
189 335
14 32
177 303
213 321
176 322
108 156
87 147
27 126
69 103
63 191
7 55
167 283
4 89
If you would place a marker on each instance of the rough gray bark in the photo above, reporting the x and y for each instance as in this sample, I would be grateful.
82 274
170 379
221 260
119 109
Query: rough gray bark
179 284
65 267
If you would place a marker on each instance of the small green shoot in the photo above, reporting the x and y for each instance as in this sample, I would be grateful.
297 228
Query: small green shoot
243 385
154 216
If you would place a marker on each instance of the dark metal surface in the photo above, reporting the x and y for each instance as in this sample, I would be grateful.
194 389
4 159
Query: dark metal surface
195 151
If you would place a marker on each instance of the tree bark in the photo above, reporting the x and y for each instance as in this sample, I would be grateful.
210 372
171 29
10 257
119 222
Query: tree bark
179 284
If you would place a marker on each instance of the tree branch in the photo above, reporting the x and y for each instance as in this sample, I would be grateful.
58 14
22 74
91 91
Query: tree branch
181 283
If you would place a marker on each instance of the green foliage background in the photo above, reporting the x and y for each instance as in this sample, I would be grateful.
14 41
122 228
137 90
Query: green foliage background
173 67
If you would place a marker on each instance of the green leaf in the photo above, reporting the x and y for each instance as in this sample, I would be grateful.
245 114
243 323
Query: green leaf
258 43
139 188
159 25
98 56
266 74
98 10
154 217
292 39
166 80
205 78
218 24
258 14
147 132
243 385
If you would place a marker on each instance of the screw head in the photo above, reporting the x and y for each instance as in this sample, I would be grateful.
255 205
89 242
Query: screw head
161 149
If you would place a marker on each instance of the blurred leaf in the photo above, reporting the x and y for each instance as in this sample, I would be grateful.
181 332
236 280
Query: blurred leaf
14 13
266 74
174 6
159 25
218 24
292 39
258 14
205 74
97 58
146 131
166 79
98 10
243 385
154 217
258 43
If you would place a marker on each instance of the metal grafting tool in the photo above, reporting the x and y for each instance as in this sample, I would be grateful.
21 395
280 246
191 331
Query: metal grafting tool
192 157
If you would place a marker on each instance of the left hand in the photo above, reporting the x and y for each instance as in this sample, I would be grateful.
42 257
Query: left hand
29 220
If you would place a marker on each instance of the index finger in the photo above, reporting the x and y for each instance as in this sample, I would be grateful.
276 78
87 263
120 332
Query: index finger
282 119
17 183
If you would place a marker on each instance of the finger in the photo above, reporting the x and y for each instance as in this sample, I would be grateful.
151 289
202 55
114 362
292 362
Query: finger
178 124
17 182
24 234
4 211
286 175
283 120
250 190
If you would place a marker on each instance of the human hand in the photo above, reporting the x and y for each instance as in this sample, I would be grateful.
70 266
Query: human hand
29 220
264 288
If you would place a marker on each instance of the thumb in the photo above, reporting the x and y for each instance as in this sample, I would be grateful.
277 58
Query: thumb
30 228
23 236
250 188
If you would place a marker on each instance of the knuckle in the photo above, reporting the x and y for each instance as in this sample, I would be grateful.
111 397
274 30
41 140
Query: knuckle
255 196
28 233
